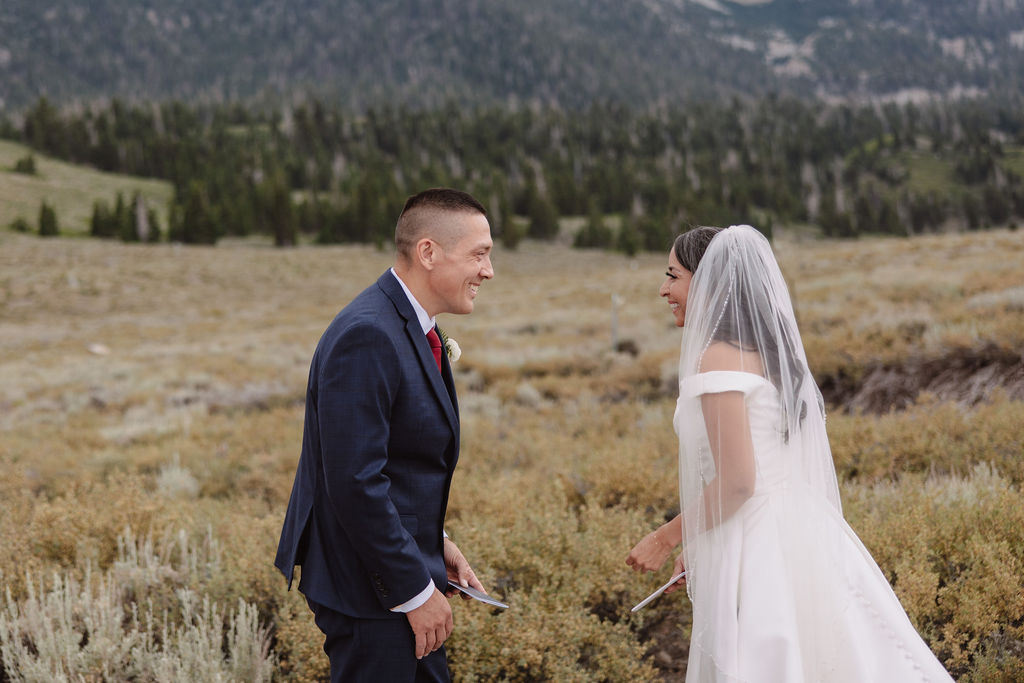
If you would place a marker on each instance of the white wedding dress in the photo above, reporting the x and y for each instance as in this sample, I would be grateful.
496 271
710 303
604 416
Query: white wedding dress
783 590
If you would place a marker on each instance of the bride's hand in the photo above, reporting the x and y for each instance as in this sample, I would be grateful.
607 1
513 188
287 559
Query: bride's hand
649 554
677 567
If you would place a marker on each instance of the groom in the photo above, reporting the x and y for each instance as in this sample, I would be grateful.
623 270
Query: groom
380 443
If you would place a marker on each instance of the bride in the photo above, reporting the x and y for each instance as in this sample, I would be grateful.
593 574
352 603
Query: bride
781 587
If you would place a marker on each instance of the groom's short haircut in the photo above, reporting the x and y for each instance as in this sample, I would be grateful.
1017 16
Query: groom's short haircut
423 216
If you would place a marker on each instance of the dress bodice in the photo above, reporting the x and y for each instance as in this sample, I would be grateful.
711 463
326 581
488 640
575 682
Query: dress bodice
763 412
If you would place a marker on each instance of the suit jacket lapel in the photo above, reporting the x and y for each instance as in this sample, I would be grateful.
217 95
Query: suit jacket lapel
437 382
449 380
442 385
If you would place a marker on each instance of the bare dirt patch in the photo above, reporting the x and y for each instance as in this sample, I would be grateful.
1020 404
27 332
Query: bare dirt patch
964 376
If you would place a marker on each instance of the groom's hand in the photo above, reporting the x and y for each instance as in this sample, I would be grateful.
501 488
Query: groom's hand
431 623
458 570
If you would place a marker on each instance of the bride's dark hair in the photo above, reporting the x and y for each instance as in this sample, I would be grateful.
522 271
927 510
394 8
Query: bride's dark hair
740 322
690 246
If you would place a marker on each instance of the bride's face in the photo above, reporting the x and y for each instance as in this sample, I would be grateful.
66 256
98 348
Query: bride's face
676 287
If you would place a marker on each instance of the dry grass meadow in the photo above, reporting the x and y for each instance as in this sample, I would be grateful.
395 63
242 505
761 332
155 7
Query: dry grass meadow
151 416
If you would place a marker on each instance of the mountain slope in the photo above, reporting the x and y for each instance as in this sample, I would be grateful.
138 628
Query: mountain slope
565 51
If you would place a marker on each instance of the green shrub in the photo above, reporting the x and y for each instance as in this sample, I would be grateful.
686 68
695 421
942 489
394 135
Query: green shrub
953 548
26 165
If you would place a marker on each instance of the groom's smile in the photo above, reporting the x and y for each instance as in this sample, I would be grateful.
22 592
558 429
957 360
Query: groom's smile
464 266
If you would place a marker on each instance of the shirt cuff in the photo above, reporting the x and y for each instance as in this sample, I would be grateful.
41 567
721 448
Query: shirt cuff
417 601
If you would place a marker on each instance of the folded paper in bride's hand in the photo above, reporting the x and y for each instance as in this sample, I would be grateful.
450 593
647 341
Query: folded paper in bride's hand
643 603
477 595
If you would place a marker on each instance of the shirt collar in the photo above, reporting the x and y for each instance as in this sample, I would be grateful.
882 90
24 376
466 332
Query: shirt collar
426 322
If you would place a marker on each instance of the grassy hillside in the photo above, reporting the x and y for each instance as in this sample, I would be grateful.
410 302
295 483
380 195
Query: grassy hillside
70 188
151 416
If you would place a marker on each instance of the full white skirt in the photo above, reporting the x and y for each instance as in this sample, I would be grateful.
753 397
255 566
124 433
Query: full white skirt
788 594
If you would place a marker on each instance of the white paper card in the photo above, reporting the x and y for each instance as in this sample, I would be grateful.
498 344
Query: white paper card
477 595
643 603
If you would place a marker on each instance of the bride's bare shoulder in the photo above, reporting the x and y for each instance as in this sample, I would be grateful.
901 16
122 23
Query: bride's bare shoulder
722 355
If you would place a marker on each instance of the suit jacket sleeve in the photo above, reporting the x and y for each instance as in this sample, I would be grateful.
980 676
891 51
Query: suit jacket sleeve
359 378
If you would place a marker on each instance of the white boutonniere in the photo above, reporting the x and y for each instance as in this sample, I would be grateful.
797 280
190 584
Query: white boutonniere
451 347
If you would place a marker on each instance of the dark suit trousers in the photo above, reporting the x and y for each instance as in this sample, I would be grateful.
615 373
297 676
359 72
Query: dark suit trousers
376 650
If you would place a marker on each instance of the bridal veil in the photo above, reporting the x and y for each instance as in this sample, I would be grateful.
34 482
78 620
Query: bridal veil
740 339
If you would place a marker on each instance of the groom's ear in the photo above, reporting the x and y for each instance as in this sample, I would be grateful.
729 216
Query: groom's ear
426 253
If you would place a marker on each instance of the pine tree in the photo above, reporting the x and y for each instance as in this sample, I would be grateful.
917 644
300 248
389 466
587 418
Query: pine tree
499 215
124 218
280 214
628 241
102 223
44 129
997 205
195 223
595 232
47 220
543 218
153 221
655 233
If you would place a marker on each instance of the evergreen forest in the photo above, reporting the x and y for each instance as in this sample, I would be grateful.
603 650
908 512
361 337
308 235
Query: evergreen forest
317 172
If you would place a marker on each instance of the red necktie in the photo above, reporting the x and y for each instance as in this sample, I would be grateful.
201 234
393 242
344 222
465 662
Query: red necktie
435 345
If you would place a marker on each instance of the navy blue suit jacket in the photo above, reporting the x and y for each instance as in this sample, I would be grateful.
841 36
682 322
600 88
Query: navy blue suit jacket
379 447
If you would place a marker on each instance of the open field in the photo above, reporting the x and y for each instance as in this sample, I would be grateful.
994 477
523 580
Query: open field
151 416
69 188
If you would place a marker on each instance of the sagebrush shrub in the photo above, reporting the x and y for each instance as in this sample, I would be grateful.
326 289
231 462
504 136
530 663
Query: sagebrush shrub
121 627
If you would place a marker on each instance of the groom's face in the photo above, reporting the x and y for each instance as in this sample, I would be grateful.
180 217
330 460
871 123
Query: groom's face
464 264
